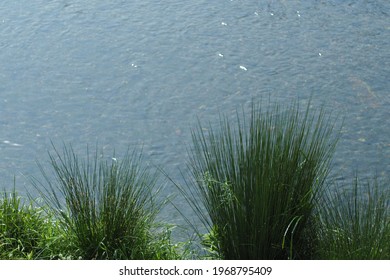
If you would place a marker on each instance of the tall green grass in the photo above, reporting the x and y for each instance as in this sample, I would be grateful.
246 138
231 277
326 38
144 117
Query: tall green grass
260 188
107 208
355 223
257 180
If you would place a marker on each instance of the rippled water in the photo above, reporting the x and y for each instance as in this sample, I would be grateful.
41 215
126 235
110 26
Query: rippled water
139 73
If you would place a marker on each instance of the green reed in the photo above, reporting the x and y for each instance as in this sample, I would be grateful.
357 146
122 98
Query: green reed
259 187
107 207
257 180
355 223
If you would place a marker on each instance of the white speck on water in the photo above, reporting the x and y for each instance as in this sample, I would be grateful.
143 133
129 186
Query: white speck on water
299 15
11 143
220 55
320 54
134 65
224 23
243 68
271 14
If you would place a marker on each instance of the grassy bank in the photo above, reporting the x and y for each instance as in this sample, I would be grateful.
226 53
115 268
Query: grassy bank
90 209
259 185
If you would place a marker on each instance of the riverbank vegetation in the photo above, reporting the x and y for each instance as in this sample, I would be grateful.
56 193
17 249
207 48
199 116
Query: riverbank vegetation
354 221
259 186
258 181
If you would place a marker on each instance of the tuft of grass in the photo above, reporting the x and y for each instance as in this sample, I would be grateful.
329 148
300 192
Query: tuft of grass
26 231
355 223
256 181
107 208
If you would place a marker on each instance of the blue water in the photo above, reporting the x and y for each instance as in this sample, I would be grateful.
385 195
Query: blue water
139 74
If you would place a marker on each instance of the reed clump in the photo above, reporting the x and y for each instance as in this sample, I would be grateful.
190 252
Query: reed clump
107 208
354 221
258 179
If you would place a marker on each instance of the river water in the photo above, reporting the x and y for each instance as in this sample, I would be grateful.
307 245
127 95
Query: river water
139 73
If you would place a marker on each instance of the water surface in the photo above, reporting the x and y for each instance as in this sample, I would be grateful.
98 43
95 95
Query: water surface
139 74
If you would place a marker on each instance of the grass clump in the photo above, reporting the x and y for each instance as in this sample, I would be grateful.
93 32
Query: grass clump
106 208
355 223
258 179
26 230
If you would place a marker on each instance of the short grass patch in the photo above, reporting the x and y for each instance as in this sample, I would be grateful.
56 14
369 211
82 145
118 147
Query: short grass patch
27 231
